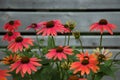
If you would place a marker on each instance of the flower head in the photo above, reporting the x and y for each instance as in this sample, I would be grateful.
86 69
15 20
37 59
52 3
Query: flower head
3 74
66 65
34 26
11 59
12 25
103 54
86 63
76 34
51 28
70 25
9 36
25 65
59 53
103 25
19 43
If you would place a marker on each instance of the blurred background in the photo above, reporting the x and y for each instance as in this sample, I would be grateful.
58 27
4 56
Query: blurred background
83 12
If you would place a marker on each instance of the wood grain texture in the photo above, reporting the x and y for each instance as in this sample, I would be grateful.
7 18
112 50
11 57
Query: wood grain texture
82 19
59 4
88 41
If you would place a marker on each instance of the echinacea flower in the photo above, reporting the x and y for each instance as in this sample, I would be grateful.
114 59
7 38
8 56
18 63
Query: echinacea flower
25 65
3 74
12 25
34 26
103 25
86 63
59 53
19 43
51 28
103 54
11 59
9 36
76 34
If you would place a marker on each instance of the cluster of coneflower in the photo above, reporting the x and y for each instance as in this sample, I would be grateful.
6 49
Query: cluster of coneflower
70 65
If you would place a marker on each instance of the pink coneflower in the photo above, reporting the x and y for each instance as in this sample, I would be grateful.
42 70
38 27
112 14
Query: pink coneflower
25 65
9 36
103 25
19 43
3 74
59 53
12 25
51 28
34 26
86 63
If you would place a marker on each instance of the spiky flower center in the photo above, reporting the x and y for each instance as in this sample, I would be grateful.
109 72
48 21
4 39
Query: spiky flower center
10 61
10 33
11 22
19 39
101 57
59 49
50 24
34 25
103 22
85 60
25 60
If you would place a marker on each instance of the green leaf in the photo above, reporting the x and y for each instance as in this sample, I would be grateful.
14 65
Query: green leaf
108 62
107 70
99 76
76 51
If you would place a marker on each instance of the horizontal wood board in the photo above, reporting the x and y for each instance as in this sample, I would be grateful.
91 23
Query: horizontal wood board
88 41
82 19
59 4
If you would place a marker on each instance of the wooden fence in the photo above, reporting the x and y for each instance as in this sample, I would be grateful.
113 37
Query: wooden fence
84 12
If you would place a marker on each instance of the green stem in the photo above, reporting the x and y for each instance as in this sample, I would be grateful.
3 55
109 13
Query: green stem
93 77
38 44
81 45
53 41
68 40
65 40
101 41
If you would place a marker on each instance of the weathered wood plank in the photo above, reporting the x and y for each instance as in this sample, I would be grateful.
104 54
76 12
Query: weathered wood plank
83 19
88 41
59 4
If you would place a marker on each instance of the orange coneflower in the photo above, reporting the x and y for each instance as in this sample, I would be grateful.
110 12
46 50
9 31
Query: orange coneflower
3 74
9 36
19 43
86 63
11 59
25 65
103 25
12 25
59 53
51 28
